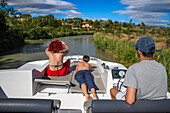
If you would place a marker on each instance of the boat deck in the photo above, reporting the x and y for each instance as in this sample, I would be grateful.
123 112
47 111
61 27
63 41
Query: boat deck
97 79
68 81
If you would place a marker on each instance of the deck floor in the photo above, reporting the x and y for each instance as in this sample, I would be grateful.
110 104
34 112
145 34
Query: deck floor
97 79
74 87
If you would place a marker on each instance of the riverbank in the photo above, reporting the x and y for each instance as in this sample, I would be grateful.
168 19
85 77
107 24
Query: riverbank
73 33
123 52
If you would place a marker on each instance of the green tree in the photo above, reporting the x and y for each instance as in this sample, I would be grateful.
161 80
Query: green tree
110 21
96 24
119 31
27 16
75 24
168 22
8 9
144 27
10 36
125 24
130 23
138 24
38 33
129 26
105 24
116 23
3 22
90 22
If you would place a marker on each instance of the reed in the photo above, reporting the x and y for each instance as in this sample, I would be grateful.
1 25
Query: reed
124 53
121 49
163 58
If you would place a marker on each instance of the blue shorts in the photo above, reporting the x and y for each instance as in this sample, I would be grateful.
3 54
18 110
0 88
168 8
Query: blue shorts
85 77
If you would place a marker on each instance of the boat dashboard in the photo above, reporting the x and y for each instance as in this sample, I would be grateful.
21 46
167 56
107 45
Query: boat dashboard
118 73
118 76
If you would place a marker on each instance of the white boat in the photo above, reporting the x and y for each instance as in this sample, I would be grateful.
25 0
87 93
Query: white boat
30 82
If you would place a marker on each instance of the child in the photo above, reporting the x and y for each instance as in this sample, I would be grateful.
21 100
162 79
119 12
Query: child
85 78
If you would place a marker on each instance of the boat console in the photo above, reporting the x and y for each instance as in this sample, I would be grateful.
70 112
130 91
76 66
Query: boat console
118 76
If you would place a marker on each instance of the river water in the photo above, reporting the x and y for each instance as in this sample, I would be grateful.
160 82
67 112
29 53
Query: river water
34 50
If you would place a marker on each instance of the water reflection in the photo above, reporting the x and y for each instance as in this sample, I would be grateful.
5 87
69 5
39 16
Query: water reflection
34 50
80 45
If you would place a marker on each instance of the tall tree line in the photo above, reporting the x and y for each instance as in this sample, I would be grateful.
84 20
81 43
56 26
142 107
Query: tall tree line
10 37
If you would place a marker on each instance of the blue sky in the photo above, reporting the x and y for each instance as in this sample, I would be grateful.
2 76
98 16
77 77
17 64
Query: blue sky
151 12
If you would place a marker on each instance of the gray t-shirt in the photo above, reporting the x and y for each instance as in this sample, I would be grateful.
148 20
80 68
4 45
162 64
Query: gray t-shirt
149 78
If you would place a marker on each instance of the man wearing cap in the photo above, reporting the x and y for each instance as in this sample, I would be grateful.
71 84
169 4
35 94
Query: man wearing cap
146 79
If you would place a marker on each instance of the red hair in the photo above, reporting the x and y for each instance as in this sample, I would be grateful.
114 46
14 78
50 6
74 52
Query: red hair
55 45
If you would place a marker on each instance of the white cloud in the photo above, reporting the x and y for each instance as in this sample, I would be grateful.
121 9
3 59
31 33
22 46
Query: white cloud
34 14
41 7
32 10
42 4
147 11
73 13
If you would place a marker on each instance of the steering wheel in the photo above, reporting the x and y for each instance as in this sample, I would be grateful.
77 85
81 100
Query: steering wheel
121 80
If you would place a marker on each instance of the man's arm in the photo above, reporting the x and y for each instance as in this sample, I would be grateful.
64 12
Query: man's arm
67 48
130 95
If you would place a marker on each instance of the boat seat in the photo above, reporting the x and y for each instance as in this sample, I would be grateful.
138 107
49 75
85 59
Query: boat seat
57 80
27 105
97 79
17 105
120 106
50 84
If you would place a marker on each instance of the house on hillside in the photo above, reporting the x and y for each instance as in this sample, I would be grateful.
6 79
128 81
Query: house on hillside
68 24
22 19
58 19
86 25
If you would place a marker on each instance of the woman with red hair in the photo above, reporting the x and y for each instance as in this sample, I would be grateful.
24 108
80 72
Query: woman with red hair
56 65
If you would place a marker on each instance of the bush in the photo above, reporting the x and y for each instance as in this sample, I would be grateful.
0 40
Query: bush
132 30
38 33
11 39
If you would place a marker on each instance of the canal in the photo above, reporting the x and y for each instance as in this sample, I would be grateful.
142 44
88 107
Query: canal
34 50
